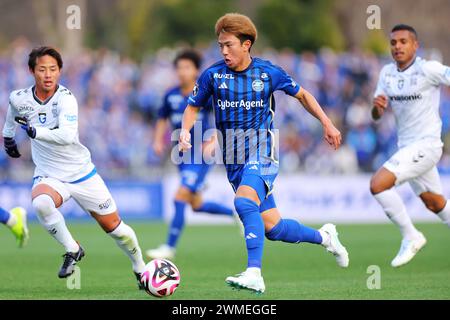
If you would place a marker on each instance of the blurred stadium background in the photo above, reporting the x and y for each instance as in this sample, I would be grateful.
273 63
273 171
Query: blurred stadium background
119 64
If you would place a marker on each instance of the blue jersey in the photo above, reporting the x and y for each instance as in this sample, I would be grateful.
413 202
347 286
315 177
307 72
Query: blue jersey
243 101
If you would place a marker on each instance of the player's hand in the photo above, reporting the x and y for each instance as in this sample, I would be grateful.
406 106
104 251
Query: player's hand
332 135
25 125
158 147
380 102
11 147
184 142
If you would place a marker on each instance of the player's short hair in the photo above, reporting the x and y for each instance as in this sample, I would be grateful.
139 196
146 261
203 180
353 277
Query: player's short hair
190 55
237 24
44 51
406 27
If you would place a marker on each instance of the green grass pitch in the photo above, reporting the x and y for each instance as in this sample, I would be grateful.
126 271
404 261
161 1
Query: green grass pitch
207 254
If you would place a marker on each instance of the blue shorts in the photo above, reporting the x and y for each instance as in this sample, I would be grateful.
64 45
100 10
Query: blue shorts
259 176
193 175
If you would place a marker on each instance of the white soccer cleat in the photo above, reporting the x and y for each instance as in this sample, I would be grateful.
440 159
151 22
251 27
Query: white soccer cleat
162 252
334 246
408 250
247 280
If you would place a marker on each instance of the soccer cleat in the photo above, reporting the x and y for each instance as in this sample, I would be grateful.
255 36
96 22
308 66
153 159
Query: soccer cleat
247 280
408 250
162 252
334 245
20 229
138 278
70 260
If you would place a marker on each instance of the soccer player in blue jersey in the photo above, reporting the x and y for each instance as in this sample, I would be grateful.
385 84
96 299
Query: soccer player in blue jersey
241 87
187 64
16 221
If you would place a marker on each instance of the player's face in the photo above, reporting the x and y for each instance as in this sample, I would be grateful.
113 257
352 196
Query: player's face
46 73
186 71
403 46
233 51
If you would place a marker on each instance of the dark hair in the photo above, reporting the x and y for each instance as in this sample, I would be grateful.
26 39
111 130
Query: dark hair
43 51
406 27
191 55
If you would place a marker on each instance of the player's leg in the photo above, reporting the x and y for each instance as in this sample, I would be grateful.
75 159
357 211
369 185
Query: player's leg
292 231
247 201
48 195
16 221
429 188
94 197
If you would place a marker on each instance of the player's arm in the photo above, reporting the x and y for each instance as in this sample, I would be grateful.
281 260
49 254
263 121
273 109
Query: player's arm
189 117
437 73
160 130
380 100
67 129
9 132
331 134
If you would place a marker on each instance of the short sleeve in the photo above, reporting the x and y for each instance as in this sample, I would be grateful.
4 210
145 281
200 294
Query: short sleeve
380 85
202 91
284 82
436 73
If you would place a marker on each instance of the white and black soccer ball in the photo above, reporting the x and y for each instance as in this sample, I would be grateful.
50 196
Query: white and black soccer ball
160 278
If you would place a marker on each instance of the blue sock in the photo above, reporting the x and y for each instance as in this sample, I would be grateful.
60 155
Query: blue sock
4 216
288 230
254 229
214 208
177 225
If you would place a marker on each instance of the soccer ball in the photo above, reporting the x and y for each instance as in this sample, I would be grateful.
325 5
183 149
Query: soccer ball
160 278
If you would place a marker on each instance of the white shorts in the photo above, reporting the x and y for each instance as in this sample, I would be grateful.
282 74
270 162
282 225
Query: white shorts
91 194
416 164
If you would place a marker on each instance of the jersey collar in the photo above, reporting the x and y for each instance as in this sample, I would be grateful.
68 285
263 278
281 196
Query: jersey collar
246 69
407 66
33 89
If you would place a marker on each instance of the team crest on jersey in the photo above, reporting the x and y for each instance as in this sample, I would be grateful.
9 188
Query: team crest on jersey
42 117
257 85
400 83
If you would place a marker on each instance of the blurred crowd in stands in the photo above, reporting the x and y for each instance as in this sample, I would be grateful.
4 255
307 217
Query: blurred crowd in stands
119 98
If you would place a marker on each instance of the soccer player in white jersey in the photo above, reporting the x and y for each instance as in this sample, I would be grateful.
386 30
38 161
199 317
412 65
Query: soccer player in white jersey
48 112
410 86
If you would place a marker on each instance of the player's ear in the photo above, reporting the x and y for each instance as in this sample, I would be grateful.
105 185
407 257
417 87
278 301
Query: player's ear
247 44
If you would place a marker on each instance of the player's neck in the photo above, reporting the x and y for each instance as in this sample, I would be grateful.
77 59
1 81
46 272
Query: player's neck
406 65
187 88
244 64
43 95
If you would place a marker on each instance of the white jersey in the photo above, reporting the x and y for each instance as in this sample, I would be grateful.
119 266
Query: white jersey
414 95
56 150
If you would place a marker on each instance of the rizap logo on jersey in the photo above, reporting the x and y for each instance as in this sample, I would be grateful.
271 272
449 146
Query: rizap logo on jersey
42 117
25 108
258 85
240 104
223 76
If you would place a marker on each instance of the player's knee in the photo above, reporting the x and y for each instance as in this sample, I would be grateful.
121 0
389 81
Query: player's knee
245 206
376 185
434 206
274 232
43 204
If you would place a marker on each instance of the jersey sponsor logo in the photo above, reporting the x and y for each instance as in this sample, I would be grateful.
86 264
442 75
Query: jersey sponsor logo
223 76
412 97
42 117
264 75
257 85
55 109
223 86
25 108
240 104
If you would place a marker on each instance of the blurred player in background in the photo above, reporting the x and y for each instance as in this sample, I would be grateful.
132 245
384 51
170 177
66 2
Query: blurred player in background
242 89
411 87
16 221
48 112
187 64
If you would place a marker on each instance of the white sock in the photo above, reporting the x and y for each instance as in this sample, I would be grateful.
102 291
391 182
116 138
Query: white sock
53 221
394 208
444 214
254 270
127 241
11 221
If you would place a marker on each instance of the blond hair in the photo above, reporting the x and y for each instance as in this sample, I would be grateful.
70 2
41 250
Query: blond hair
237 24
